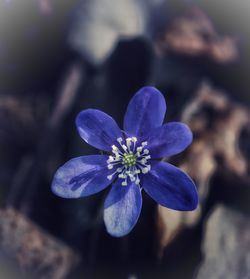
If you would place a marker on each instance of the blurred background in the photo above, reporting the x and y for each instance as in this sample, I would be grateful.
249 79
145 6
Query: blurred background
58 57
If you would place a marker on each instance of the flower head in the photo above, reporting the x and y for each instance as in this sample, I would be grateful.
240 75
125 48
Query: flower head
132 162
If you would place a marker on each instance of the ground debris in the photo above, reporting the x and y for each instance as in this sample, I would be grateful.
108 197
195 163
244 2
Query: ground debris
217 123
194 34
36 252
226 246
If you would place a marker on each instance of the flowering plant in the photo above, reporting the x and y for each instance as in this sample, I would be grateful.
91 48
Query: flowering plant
132 162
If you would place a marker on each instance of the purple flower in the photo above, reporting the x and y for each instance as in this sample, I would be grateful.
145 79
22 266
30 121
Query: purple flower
132 163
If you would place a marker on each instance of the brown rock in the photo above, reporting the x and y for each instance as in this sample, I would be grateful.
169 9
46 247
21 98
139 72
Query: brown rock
226 246
216 122
35 251
193 34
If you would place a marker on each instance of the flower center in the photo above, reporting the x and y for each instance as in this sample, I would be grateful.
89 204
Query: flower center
129 160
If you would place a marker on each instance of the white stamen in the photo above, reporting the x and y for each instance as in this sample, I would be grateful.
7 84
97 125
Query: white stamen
143 161
119 140
122 175
111 159
124 147
114 148
110 167
139 149
134 139
145 170
128 142
110 177
132 178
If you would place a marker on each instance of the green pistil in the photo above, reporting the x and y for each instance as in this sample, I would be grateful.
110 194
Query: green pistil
129 160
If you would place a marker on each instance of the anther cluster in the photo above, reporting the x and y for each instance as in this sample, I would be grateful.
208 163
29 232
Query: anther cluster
129 159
